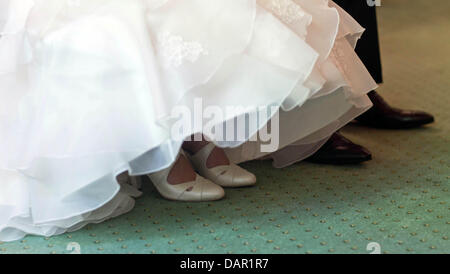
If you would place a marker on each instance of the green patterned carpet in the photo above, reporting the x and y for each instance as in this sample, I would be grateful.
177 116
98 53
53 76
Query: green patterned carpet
400 200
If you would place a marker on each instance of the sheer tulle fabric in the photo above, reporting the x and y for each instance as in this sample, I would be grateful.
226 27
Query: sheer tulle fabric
87 89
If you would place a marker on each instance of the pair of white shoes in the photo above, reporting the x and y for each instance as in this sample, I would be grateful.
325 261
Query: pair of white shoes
206 188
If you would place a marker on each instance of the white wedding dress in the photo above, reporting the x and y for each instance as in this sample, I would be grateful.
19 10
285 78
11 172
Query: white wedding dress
87 90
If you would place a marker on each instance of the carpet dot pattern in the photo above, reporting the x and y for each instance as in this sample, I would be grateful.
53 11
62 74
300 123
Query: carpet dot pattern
397 203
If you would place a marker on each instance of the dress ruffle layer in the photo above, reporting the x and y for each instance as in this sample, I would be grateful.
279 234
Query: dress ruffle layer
89 88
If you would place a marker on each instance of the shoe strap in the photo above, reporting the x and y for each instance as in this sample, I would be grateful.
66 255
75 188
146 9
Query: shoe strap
201 157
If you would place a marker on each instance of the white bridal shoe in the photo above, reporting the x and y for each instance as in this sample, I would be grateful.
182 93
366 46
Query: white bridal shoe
200 190
230 175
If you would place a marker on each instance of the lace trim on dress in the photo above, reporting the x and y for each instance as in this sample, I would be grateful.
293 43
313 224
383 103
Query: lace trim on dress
176 51
287 10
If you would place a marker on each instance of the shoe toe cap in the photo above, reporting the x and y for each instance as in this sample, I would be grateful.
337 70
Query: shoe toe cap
210 191
243 178
353 153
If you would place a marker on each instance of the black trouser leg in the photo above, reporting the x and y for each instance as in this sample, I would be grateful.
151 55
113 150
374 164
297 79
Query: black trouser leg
368 48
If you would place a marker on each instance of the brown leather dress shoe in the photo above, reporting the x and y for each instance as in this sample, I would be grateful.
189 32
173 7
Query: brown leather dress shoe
338 150
381 115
